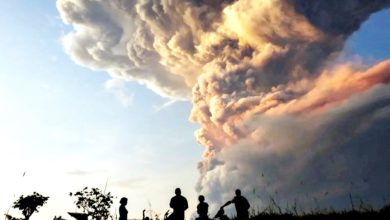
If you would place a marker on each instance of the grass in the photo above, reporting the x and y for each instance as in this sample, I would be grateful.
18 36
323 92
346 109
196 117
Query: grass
274 212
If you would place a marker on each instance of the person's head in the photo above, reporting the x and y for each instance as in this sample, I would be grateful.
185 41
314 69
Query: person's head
178 191
201 198
238 192
123 201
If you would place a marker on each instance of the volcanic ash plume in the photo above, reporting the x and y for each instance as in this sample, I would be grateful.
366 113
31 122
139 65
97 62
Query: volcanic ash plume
278 117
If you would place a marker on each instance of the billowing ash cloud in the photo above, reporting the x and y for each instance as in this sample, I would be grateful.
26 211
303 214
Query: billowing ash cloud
277 117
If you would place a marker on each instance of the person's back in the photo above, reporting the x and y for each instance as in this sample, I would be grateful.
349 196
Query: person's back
179 204
242 206
202 209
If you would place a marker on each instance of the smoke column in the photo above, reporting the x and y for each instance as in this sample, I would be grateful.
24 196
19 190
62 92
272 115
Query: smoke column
279 118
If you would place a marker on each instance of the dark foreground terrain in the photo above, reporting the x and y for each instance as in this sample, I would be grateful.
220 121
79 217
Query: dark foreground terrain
382 214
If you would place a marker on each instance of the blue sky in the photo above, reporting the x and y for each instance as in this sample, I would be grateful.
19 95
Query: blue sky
58 118
63 126
373 38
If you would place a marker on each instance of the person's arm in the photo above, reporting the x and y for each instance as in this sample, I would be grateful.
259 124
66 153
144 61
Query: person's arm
122 211
171 203
226 204
166 215
185 204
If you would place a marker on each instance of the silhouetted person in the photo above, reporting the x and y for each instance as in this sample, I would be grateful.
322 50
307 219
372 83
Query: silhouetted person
179 204
221 215
167 216
143 215
242 205
122 209
202 209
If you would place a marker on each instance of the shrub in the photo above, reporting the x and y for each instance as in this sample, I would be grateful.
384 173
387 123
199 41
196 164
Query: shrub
93 202
29 204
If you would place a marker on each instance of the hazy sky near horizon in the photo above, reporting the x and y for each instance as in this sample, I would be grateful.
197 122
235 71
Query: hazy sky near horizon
63 126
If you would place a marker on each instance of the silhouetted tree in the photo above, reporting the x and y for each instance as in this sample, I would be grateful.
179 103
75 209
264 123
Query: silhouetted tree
94 202
29 204
9 217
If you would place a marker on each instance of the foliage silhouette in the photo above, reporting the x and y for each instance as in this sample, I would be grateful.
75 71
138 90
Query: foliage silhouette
9 217
94 202
28 205
275 212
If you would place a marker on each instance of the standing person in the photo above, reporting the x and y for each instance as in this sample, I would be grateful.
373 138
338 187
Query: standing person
122 209
202 209
179 204
242 205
